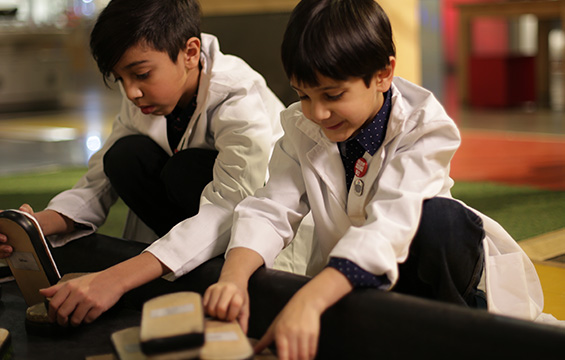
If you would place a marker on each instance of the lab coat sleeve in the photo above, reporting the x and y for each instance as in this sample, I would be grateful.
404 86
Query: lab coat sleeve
418 169
267 221
243 131
89 201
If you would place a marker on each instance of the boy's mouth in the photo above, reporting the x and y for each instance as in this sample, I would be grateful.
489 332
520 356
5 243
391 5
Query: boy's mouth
335 127
147 109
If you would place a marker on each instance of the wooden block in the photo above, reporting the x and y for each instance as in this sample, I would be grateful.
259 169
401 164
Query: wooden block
38 313
31 262
172 323
102 357
5 345
225 341
126 344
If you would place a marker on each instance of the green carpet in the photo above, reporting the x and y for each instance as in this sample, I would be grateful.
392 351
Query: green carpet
37 189
524 211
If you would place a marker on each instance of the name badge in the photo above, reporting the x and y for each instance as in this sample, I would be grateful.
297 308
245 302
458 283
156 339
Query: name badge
361 167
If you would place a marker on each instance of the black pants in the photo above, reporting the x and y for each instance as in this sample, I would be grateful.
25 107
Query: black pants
445 261
161 190
446 256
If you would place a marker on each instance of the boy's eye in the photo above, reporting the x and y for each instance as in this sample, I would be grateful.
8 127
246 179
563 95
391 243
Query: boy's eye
142 76
303 97
334 97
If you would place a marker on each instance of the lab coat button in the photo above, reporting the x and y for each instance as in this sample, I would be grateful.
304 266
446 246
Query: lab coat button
358 187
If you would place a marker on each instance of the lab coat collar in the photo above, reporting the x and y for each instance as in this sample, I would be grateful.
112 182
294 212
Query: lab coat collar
324 156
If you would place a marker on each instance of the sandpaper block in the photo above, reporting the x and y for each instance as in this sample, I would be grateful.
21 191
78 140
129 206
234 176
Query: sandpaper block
6 351
225 341
126 344
31 262
172 325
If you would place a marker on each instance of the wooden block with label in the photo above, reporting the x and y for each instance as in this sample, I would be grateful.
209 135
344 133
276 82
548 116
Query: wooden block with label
172 324
126 344
31 262
225 340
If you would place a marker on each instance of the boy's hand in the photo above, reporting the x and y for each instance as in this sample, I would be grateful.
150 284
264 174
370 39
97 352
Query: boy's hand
227 300
82 299
6 250
296 331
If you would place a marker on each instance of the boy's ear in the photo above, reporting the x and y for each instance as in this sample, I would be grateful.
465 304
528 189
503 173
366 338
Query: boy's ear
384 77
191 53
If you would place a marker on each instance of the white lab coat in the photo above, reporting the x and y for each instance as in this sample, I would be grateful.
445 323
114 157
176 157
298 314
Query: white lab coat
236 114
374 230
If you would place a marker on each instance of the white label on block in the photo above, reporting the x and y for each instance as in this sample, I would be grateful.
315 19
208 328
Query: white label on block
173 310
221 336
23 261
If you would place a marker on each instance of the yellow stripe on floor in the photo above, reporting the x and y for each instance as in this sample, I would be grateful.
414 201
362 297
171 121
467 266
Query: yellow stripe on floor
552 280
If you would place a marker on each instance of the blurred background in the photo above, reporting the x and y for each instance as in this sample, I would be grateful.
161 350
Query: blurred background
51 90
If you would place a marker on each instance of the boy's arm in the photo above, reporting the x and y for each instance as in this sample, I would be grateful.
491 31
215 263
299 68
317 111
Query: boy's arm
228 298
296 329
85 298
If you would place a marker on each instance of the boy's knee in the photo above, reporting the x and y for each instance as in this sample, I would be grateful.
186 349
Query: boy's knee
127 151
190 163
445 221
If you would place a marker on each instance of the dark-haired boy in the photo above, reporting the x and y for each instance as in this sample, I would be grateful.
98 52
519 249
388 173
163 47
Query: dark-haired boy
192 139
369 155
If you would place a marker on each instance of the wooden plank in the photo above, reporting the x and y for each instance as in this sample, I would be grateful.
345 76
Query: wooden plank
546 246
542 9
231 7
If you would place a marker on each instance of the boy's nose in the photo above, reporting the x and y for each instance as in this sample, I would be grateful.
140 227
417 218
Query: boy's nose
319 111
133 91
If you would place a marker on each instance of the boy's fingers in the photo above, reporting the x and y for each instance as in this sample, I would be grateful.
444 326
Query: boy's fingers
26 208
50 291
243 318
5 251
265 341
313 346
212 302
235 307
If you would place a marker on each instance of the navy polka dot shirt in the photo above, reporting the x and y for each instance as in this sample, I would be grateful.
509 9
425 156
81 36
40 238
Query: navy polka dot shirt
177 121
369 139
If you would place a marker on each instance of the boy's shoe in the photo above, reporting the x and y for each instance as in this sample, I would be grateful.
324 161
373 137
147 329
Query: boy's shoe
172 326
31 262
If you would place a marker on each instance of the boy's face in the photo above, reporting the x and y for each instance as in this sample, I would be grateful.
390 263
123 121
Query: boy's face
153 82
341 108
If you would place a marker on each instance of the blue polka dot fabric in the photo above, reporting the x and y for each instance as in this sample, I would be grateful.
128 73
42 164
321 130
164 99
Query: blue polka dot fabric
369 139
177 122
357 276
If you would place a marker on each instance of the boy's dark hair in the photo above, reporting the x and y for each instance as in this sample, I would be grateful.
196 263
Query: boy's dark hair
338 39
165 25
